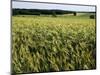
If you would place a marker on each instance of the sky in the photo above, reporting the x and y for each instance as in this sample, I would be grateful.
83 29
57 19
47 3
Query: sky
33 5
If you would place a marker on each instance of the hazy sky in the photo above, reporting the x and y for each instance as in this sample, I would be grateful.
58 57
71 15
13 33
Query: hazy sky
32 5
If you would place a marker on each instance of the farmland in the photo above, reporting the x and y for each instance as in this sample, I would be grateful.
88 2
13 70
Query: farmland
45 43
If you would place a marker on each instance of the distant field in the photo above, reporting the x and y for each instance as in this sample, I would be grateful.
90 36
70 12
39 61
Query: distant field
45 43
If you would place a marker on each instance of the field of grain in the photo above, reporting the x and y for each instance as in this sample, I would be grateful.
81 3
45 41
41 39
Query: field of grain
46 44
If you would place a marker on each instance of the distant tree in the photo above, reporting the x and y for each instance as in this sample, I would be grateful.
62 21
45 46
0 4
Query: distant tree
54 14
92 16
75 13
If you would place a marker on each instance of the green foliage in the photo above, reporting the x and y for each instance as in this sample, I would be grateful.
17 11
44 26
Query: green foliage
42 44
75 13
54 14
39 12
93 16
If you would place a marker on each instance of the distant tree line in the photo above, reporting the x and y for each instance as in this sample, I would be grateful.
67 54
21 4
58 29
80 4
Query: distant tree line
40 12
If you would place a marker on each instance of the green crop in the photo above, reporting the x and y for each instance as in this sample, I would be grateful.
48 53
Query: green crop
44 43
